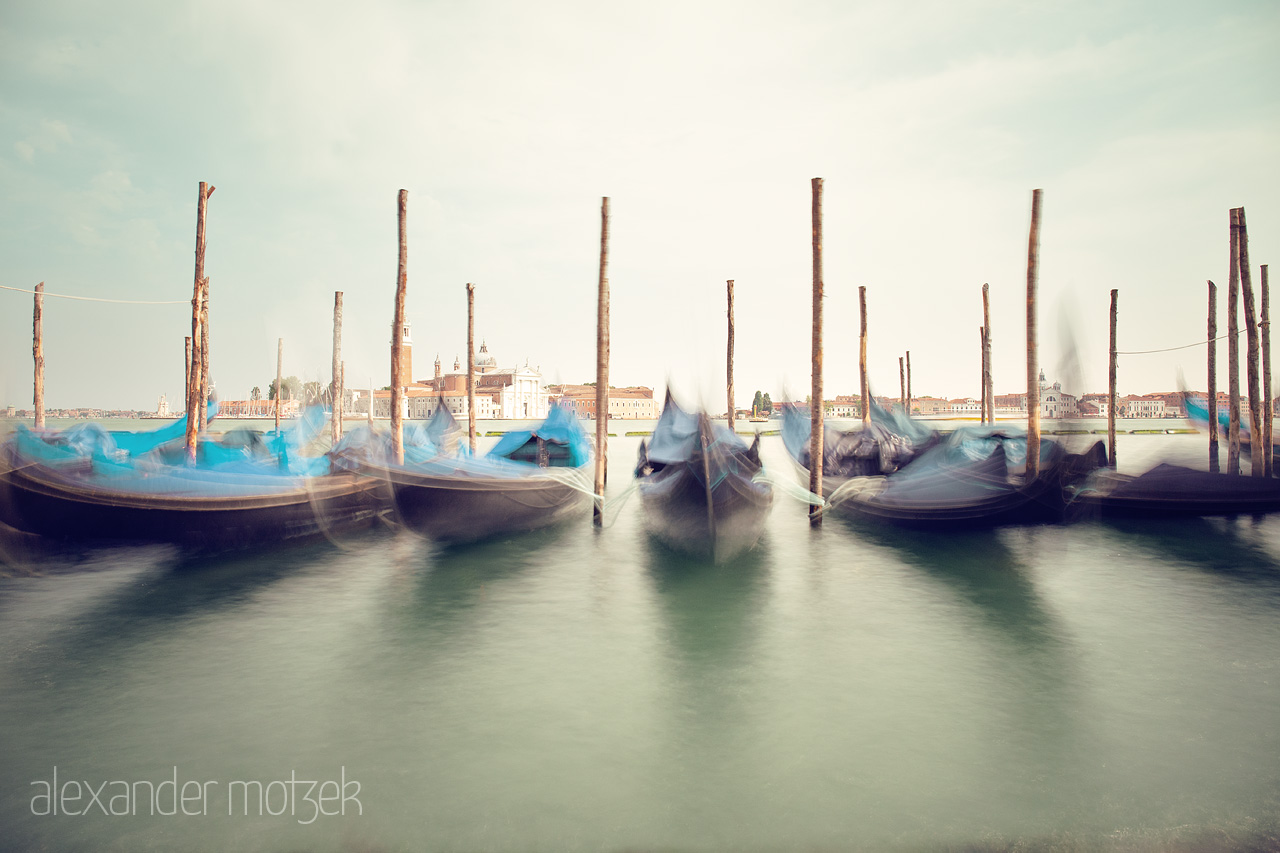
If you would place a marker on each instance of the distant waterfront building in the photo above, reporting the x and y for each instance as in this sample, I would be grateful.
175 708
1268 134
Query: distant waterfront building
506 392
258 408
930 405
634 402
1135 406
1056 403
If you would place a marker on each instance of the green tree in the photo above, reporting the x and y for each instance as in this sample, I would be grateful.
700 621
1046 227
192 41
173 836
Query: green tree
766 405
256 393
292 389
311 392
757 404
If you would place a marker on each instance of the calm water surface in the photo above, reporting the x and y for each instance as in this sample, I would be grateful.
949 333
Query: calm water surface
1096 686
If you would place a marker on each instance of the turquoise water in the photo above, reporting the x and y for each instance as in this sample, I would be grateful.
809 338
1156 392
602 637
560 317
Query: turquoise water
1098 686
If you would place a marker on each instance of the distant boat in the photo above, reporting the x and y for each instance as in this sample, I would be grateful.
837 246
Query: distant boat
87 483
531 479
898 471
698 486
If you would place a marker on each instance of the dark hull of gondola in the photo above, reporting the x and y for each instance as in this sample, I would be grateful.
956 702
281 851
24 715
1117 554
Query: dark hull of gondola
1038 502
461 509
675 506
41 500
1174 491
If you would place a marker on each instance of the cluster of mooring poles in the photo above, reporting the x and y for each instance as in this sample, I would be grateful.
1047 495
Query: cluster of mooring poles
1257 355
1240 289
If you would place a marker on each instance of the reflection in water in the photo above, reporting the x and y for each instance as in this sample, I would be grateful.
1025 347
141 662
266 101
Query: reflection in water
161 587
982 570
1023 663
708 609
1232 547
452 580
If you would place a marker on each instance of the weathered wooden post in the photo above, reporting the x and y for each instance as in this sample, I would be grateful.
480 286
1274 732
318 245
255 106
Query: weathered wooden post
602 367
1212 393
471 367
37 352
987 392
982 374
335 383
186 367
862 357
729 364
815 391
370 402
908 382
195 388
1111 385
1233 350
902 384
1256 462
1268 446
1033 367
279 378
397 335
204 354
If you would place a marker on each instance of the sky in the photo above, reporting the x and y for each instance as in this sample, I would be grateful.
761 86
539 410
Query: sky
931 123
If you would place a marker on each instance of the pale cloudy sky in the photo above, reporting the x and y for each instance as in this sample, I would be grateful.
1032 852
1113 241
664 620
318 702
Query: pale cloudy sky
1144 122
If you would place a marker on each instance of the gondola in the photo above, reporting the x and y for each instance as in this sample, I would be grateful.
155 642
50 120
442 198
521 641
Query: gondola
1174 490
88 483
531 479
975 477
1198 415
698 486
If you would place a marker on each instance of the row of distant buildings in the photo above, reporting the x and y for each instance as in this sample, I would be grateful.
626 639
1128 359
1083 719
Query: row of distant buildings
500 392
1054 404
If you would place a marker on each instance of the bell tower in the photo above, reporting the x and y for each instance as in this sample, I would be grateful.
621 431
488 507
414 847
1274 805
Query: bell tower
406 355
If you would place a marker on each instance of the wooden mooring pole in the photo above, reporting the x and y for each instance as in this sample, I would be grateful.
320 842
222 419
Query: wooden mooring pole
1033 367
1268 402
908 382
471 367
186 366
815 391
1212 393
196 387
279 378
335 386
204 355
729 366
37 353
862 358
1111 385
602 368
397 333
1256 454
902 384
982 374
1233 350
988 395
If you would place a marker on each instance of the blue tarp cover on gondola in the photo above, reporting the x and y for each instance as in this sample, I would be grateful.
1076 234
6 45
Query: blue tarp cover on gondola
248 463
561 428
